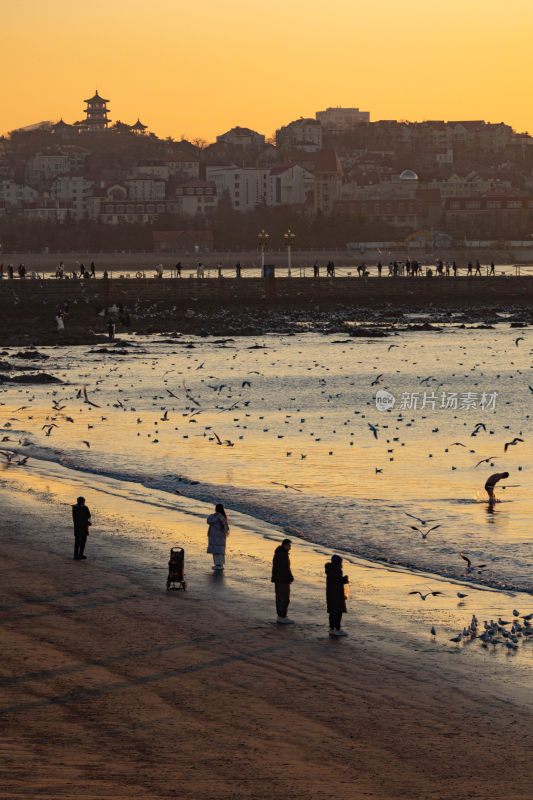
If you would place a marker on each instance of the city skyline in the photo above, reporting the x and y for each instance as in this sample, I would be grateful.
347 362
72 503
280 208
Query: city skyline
199 71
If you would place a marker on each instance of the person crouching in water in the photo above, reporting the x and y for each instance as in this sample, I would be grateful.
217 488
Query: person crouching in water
217 534
336 593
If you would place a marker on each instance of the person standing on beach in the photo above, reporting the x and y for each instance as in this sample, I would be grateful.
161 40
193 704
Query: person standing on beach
282 579
217 534
82 519
491 482
336 591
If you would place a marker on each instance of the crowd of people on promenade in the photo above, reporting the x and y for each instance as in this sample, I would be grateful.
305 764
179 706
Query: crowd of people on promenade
281 576
393 269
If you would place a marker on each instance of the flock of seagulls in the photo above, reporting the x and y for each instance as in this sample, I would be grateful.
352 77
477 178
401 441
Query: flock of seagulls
510 634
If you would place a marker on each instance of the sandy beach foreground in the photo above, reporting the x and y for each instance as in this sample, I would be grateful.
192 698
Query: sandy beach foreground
110 687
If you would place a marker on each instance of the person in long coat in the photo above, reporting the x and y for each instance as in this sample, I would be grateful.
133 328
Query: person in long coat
217 534
81 516
282 579
336 591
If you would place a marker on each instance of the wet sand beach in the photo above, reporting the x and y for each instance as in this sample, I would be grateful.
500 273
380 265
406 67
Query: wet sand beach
112 687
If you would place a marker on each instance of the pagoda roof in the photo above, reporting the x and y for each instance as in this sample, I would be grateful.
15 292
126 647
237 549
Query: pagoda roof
61 124
138 126
95 97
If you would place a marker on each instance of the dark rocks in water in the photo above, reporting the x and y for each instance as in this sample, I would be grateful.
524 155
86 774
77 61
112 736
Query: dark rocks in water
518 324
109 350
426 326
40 377
366 333
33 354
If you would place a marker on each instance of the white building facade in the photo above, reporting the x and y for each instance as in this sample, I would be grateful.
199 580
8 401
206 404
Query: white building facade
289 185
247 187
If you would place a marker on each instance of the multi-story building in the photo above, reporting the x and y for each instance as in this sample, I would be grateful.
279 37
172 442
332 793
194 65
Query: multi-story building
340 120
145 188
14 194
241 137
246 187
302 134
76 190
116 207
189 168
497 213
328 179
62 161
47 209
289 185
195 197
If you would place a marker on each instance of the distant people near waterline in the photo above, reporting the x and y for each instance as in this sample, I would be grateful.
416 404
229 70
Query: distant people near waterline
178 269
217 534
282 579
491 482
469 269
454 269
330 269
93 270
1 271
336 594
492 272
478 268
10 271
380 267
59 322
238 272
81 517
111 330
316 270
200 270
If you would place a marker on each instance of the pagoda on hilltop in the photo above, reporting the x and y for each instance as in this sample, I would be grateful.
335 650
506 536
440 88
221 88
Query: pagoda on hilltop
96 112
138 128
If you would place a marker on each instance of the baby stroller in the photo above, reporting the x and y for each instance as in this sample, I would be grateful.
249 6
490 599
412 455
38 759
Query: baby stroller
176 565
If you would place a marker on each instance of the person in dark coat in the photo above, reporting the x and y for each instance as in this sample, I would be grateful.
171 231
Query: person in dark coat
82 519
336 593
282 579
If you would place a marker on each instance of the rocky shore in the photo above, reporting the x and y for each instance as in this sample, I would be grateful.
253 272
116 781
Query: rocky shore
229 307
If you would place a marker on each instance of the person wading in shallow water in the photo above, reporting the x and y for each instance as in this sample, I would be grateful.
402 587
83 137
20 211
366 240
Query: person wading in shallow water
217 534
282 579
82 519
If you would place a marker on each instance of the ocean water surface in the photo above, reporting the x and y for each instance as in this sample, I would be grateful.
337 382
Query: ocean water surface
286 429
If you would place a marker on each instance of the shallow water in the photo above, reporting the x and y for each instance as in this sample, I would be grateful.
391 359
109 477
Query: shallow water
296 447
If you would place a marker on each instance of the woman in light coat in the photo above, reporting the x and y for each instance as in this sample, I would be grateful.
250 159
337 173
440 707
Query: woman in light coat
217 534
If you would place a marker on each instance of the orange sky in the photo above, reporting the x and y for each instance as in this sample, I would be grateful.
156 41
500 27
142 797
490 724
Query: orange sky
196 69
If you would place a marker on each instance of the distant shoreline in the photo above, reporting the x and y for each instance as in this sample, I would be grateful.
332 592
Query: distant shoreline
251 259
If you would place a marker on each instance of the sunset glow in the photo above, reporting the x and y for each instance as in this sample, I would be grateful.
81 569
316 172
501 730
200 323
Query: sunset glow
198 69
